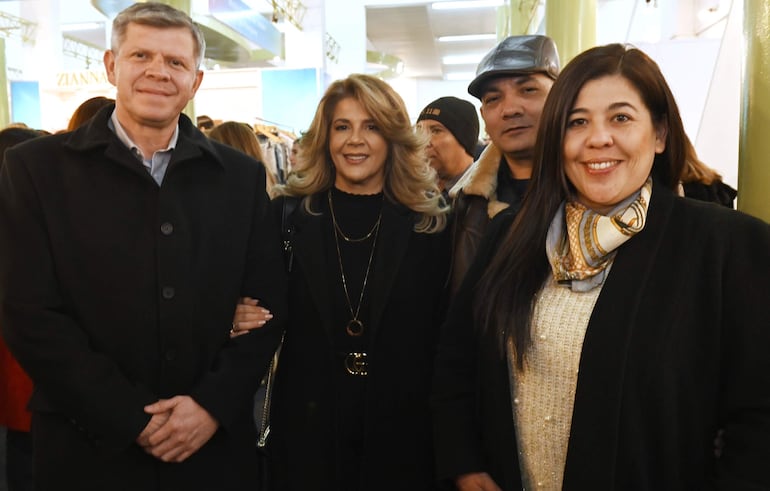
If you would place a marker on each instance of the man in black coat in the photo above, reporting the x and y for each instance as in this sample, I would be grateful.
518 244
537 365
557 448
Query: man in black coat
124 247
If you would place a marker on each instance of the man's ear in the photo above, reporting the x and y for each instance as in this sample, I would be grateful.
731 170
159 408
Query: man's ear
197 82
109 65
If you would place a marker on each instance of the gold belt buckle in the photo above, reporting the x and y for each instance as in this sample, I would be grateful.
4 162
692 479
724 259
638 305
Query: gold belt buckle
356 364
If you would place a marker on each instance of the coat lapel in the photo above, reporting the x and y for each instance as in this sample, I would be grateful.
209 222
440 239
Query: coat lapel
397 225
592 450
310 254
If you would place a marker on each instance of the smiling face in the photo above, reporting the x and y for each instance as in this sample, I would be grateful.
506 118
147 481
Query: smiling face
610 143
155 73
357 148
511 108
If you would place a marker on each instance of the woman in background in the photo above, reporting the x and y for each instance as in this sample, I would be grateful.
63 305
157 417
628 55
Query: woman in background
241 137
86 111
703 183
606 335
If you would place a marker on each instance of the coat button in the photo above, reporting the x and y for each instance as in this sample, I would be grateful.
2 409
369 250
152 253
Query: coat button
168 292
170 355
166 228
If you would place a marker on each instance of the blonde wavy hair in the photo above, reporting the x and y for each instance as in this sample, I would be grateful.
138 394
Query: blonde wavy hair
695 170
409 180
242 137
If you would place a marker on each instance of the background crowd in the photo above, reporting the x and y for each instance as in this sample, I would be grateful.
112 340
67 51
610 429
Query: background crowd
572 304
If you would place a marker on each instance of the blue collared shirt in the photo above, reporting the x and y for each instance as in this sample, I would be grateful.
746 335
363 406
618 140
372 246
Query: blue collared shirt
158 163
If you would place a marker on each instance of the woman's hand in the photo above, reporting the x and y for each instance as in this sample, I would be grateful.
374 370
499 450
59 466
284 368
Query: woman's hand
248 315
477 481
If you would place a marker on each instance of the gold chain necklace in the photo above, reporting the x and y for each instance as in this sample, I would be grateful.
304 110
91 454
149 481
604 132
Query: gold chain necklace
342 234
354 327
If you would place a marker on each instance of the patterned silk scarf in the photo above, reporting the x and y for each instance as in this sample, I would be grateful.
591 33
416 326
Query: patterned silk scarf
582 258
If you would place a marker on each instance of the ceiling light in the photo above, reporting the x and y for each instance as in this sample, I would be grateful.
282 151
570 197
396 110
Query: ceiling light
467 4
460 76
472 59
82 26
467 37
234 15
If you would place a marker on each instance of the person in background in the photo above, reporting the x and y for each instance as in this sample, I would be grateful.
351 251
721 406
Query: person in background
15 384
242 137
703 183
452 127
124 248
295 146
512 82
350 408
611 330
204 123
87 110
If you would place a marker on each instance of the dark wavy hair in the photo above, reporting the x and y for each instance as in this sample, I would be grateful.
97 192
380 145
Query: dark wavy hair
87 110
505 295
13 135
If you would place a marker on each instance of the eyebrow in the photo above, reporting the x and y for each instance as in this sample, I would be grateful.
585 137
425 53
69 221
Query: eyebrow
612 107
346 120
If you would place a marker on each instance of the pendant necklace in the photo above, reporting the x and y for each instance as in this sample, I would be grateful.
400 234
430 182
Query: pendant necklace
354 327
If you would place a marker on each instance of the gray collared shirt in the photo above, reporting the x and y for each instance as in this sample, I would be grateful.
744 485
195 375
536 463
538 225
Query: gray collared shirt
158 163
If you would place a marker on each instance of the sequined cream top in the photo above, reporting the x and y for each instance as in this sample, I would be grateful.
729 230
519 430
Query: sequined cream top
543 394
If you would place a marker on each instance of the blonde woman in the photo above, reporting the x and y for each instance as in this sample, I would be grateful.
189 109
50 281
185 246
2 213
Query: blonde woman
350 408
241 137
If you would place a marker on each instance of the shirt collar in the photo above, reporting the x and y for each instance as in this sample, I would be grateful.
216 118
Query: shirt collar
120 132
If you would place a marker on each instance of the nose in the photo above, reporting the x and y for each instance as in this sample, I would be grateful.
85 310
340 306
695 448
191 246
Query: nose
512 107
157 67
356 136
599 136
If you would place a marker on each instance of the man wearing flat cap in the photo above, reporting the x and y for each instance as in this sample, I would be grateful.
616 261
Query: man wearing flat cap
453 129
512 82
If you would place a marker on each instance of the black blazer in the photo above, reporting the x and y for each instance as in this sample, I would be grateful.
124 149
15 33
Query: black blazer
406 307
676 349
117 292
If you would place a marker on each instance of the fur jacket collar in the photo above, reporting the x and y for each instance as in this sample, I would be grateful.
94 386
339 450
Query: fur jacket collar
481 180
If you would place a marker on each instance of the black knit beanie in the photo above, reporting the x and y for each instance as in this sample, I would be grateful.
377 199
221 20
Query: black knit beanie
459 117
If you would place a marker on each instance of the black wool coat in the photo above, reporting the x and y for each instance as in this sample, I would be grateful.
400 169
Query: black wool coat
676 349
406 303
117 292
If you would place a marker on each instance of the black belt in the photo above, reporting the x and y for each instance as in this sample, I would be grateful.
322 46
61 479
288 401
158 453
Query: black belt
356 364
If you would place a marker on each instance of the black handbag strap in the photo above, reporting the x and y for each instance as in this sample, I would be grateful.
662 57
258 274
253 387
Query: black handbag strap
287 229
287 232
264 430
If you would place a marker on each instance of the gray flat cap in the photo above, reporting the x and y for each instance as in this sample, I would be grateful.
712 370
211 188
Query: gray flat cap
516 55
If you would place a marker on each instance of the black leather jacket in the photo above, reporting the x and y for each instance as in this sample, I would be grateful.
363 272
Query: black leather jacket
470 220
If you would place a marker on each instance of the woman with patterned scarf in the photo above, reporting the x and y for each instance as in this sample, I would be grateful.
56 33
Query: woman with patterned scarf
613 335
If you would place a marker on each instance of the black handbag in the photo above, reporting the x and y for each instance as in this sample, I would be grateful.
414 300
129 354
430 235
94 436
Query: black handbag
264 428
287 231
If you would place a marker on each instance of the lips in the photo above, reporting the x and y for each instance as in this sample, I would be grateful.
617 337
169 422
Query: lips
355 158
601 165
154 92
515 129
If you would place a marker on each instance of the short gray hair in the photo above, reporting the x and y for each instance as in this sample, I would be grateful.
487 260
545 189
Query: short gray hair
156 14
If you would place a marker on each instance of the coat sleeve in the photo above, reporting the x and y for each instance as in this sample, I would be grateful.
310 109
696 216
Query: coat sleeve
455 398
43 332
745 385
241 364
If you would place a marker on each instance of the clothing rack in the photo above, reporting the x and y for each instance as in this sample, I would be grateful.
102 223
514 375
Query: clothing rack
290 128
